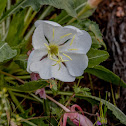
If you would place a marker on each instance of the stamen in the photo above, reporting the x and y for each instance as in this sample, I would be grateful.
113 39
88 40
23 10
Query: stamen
53 52
50 57
67 56
72 40
65 35
58 62
47 46
60 57
72 49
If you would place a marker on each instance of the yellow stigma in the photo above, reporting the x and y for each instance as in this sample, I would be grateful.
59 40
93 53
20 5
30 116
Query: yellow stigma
53 49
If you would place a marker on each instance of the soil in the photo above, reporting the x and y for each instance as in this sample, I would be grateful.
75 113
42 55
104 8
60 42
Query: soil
111 17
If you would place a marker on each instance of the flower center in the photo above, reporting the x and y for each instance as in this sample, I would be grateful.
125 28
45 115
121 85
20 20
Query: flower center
53 49
53 54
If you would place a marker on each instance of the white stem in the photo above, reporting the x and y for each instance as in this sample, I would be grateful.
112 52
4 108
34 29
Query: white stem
59 104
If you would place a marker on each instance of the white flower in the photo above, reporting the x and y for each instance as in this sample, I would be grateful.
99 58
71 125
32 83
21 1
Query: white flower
59 52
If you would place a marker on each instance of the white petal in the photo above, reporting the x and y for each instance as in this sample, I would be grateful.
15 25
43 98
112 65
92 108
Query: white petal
49 28
62 73
38 38
74 28
77 65
81 44
55 33
38 22
34 56
46 70
63 34
43 68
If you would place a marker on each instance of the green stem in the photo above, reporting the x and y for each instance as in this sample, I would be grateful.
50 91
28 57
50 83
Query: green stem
1 81
44 14
113 95
28 122
75 10
79 79
29 12
24 96
20 77
12 76
59 104
11 82
28 22
92 87
17 103
12 10
61 93
40 100
7 20
3 28
85 9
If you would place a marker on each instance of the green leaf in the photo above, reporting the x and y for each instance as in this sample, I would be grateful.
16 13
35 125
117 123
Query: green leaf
21 60
60 4
6 52
91 26
15 100
105 74
56 111
1 31
36 5
54 86
95 42
2 5
13 10
63 17
80 4
16 26
84 91
116 111
96 57
28 86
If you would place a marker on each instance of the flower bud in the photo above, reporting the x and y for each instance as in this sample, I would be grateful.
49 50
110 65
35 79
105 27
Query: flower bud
93 3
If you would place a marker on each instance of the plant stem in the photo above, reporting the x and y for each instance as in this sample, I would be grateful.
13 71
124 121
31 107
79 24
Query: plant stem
12 76
7 21
33 27
92 87
11 11
4 29
24 96
68 102
28 14
75 9
11 82
59 104
16 101
20 77
36 97
28 22
85 9
113 95
62 106
28 122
